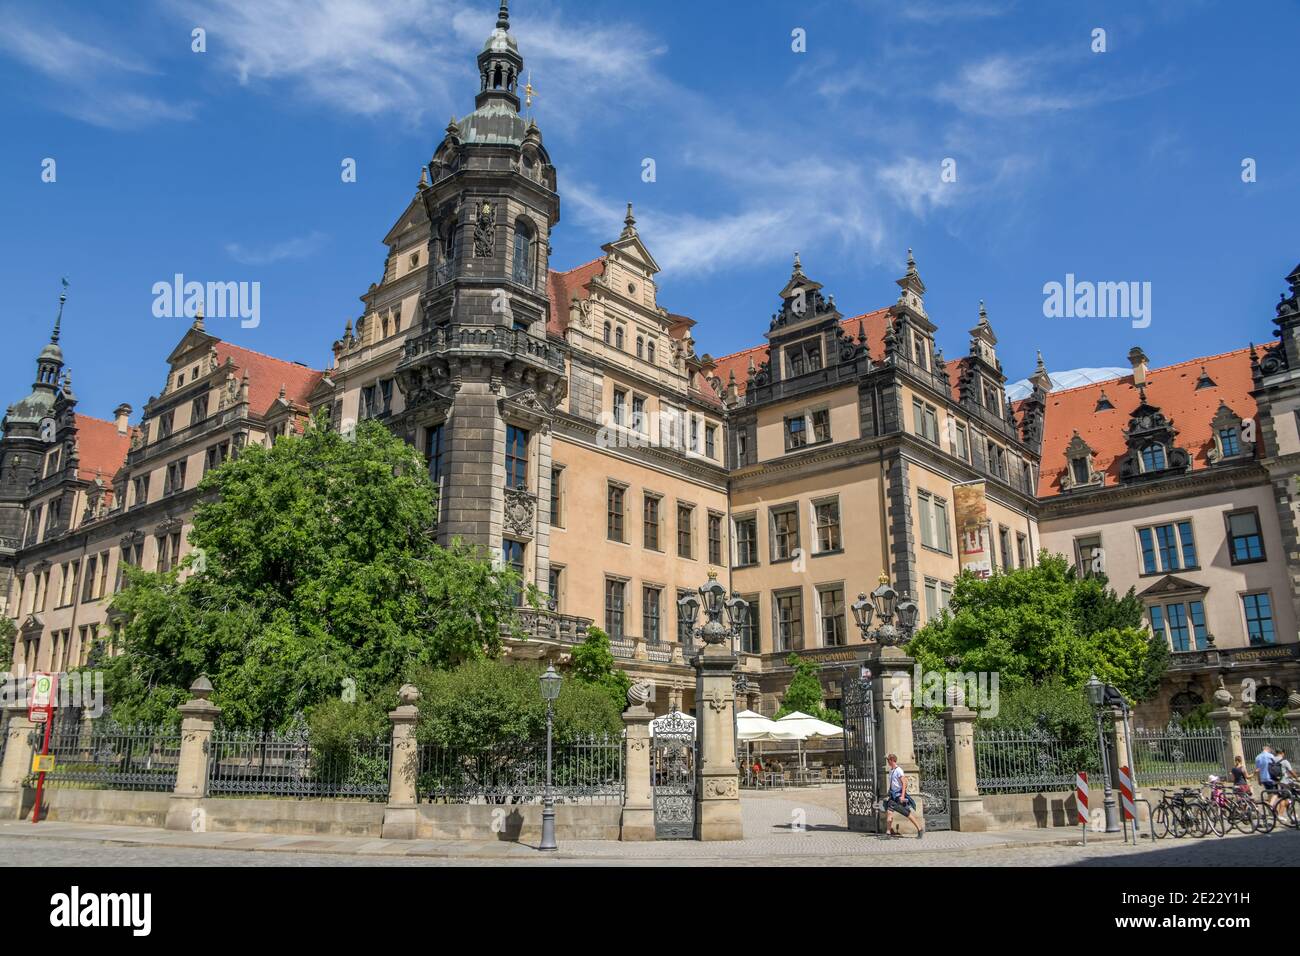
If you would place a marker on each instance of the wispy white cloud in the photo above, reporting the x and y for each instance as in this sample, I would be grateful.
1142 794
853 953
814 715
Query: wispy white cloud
266 254
88 81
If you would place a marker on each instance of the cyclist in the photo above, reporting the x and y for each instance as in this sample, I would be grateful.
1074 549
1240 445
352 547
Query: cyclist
1284 774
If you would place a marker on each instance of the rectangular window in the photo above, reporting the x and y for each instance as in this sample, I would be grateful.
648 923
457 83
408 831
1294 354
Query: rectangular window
614 524
789 620
516 457
215 456
1246 543
715 538
1004 545
831 605
1022 550
512 552
684 635
749 634
961 442
711 441
88 588
199 409
685 533
785 532
821 425
165 424
1259 618
140 487
746 541
615 593
804 357
828 525
1181 624
651 520
386 396
796 433
555 584
557 497
640 421
1228 440
175 478
925 507
938 595
620 407
434 451
1167 547
650 614
1086 551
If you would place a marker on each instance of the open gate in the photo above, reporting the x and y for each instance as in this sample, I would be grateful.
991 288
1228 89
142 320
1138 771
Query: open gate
673 775
861 769
930 745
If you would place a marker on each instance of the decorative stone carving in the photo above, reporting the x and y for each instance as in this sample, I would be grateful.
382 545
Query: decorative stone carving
485 231
639 693
520 512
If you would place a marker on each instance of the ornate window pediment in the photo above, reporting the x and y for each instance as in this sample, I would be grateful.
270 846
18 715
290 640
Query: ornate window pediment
1079 471
1150 437
1228 440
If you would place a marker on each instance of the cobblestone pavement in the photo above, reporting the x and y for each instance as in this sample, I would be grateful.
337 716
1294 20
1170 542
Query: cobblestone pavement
782 828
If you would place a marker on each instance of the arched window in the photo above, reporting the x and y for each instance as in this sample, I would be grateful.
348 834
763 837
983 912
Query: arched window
523 255
496 78
650 351
618 338
606 334
1184 702
1153 457
640 346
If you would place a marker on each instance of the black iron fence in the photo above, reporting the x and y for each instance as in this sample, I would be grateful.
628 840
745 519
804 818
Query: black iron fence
1176 756
289 764
103 755
1029 761
587 769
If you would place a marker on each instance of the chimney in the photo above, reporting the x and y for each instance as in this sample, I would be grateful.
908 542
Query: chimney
121 414
1138 359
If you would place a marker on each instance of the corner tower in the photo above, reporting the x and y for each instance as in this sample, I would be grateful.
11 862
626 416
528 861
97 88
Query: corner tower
479 377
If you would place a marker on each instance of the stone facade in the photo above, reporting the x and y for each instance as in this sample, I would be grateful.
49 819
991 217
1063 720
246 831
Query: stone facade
574 432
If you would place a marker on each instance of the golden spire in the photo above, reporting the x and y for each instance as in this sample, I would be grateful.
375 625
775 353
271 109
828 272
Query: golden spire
529 91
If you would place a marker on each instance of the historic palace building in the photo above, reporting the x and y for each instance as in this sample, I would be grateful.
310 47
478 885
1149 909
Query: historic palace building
573 432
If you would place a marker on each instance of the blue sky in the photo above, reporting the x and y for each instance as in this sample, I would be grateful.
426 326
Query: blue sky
224 166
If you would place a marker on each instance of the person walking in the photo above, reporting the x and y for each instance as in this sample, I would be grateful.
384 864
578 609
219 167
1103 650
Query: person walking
898 799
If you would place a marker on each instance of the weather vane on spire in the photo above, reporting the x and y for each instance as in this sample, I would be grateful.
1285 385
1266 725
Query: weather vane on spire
529 91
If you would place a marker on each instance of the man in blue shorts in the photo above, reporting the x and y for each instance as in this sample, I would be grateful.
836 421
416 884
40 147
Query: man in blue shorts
898 799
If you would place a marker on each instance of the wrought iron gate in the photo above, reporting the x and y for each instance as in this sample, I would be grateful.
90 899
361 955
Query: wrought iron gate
931 748
673 773
861 769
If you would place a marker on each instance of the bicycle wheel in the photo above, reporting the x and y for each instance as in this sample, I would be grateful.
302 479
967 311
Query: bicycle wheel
1160 821
1198 821
1215 816
1178 822
1245 816
1293 815
1267 818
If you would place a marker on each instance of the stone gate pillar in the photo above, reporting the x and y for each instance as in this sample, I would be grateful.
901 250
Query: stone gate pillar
1228 720
638 821
17 760
198 717
402 812
891 671
964 803
717 815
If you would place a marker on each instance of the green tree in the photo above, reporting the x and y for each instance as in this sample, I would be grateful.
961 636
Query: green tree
804 693
1043 624
485 705
8 632
316 576
593 663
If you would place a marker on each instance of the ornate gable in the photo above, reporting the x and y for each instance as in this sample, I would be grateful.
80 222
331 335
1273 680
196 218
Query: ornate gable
1151 451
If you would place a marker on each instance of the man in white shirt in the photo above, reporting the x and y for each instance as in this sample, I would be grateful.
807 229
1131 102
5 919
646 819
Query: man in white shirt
899 800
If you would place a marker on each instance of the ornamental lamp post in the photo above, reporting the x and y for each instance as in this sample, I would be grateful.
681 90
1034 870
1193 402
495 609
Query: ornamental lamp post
897 618
551 682
1096 692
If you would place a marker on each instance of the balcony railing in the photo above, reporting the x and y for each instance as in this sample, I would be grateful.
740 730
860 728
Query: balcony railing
484 338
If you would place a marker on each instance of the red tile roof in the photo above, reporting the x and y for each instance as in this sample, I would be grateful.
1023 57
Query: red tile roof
873 324
1172 389
563 287
100 449
267 374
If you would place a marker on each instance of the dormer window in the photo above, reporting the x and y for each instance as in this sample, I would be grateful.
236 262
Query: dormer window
803 357
1103 403
921 350
1228 443
1080 471
1204 381
1228 438
1153 457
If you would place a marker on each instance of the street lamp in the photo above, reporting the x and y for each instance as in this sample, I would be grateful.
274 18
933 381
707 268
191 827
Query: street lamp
550 682
883 605
1096 692
713 598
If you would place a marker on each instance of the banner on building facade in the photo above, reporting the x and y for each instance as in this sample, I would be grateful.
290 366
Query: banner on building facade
974 536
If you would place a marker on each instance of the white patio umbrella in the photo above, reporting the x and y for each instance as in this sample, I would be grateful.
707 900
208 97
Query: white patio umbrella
800 726
752 726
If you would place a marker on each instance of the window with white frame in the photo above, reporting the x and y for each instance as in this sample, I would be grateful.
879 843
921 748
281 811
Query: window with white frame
1167 547
936 531
1180 623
